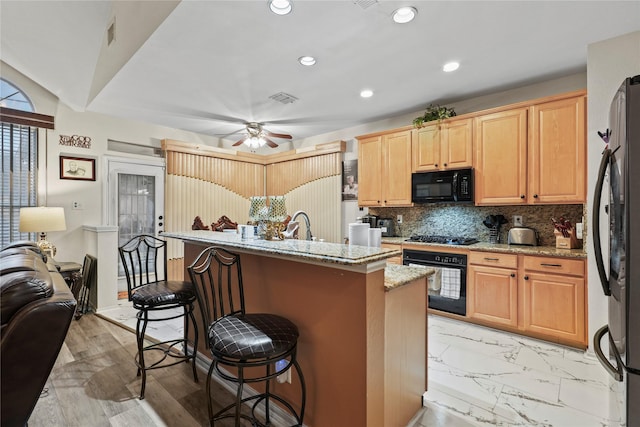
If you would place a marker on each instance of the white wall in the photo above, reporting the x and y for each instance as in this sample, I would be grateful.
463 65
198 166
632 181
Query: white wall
609 62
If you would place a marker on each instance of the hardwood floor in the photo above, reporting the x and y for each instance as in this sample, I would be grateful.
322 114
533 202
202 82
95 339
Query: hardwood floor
94 383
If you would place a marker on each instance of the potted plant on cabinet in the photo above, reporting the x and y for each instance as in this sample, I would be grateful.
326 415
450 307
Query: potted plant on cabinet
433 112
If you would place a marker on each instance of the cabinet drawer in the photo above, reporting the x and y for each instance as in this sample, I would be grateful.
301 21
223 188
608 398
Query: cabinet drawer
574 267
493 259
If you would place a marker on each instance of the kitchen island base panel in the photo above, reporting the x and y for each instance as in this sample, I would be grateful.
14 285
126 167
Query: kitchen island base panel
340 317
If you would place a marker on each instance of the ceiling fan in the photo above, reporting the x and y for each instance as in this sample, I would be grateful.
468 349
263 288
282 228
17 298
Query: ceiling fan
257 136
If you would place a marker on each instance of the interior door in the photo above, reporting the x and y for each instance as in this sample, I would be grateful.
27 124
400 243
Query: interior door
135 202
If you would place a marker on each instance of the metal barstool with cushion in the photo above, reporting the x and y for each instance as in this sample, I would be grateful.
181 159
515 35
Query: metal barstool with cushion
238 340
144 259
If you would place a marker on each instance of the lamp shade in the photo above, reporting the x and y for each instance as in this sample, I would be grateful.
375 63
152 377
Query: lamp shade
42 219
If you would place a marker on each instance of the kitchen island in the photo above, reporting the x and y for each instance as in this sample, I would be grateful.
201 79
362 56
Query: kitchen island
357 319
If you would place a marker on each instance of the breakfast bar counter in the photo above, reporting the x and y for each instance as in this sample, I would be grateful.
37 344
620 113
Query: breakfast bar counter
362 345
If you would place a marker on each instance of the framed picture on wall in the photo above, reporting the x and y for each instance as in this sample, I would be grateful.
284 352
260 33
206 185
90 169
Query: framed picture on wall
77 168
350 180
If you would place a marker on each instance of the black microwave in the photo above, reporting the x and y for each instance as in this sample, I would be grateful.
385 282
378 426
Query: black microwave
442 186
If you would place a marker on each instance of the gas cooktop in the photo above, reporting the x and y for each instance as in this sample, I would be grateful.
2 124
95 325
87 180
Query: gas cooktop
446 240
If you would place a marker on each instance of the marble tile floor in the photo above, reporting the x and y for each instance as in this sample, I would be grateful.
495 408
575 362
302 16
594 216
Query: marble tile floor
483 377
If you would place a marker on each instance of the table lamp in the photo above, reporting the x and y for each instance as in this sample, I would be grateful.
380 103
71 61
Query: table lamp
40 220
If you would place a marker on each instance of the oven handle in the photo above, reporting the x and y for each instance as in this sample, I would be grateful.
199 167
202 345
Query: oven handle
615 371
436 264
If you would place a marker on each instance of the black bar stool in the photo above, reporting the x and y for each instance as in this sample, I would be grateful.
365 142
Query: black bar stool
145 265
240 340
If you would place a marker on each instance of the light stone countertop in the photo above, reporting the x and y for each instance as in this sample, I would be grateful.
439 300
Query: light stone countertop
323 252
398 275
498 247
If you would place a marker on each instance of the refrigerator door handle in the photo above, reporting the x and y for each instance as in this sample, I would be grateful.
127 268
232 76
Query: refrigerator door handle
604 280
616 372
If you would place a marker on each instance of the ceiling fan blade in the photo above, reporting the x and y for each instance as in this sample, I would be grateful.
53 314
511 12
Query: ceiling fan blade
277 135
240 142
270 143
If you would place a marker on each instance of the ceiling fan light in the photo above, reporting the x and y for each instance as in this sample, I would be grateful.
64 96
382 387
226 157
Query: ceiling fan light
280 7
404 15
255 142
307 60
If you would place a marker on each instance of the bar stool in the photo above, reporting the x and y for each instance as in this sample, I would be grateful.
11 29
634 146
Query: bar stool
240 340
144 258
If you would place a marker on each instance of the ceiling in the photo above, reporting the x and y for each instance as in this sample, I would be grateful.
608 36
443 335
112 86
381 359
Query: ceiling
210 66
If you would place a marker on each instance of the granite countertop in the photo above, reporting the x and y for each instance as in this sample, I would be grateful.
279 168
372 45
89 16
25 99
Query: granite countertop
332 253
499 247
398 275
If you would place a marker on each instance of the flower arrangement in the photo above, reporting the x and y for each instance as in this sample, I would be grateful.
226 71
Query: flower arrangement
433 112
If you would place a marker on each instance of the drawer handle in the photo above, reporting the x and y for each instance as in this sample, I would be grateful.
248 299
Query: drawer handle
513 274
544 264
491 259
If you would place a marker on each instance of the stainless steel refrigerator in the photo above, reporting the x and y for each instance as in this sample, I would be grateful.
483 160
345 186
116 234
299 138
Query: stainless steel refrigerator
622 284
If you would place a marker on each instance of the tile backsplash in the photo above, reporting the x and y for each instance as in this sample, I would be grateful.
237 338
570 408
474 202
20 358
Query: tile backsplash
466 220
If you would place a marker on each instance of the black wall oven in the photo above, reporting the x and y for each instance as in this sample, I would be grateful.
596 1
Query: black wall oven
447 288
442 186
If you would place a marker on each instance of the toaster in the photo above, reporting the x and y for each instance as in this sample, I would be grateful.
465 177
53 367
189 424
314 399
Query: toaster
523 236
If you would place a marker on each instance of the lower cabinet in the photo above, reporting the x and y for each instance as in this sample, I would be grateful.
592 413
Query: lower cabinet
540 296
396 246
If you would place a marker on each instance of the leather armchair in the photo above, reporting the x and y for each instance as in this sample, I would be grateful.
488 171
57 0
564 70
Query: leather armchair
36 308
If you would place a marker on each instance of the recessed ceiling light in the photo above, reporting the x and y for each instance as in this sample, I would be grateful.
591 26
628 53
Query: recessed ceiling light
280 7
404 14
450 66
307 60
366 93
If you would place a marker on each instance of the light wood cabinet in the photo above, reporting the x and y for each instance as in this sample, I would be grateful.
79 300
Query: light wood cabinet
443 146
492 288
532 155
554 296
396 246
384 166
501 158
536 295
557 151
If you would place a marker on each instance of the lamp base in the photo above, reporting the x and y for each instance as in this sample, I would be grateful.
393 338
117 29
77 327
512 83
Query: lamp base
46 246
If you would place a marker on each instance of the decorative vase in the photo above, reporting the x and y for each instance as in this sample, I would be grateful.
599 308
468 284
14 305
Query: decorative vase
257 209
277 209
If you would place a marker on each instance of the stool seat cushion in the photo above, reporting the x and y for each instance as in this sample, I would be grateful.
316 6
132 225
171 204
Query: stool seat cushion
252 336
163 292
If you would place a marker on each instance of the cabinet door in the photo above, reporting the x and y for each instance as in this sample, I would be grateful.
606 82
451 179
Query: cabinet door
396 184
501 158
426 148
553 305
456 144
370 171
492 295
395 246
557 152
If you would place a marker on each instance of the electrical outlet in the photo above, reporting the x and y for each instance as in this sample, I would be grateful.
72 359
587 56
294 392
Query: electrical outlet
517 221
579 228
77 206
399 219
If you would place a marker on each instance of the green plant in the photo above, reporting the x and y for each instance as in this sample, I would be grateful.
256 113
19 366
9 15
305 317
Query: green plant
434 112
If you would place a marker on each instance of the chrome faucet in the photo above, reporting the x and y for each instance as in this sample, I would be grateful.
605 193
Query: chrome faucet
307 223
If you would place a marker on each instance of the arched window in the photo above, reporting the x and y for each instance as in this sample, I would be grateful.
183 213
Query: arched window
19 157
14 98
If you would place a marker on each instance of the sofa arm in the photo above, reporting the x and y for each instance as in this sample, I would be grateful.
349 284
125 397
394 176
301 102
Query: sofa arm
29 346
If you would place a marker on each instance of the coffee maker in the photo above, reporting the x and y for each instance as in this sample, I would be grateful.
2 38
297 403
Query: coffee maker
372 220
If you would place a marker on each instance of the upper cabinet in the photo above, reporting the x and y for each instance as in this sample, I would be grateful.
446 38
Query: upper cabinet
443 146
501 158
384 166
532 155
557 151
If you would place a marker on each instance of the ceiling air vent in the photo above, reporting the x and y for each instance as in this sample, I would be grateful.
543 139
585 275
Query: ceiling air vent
111 33
365 3
283 98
